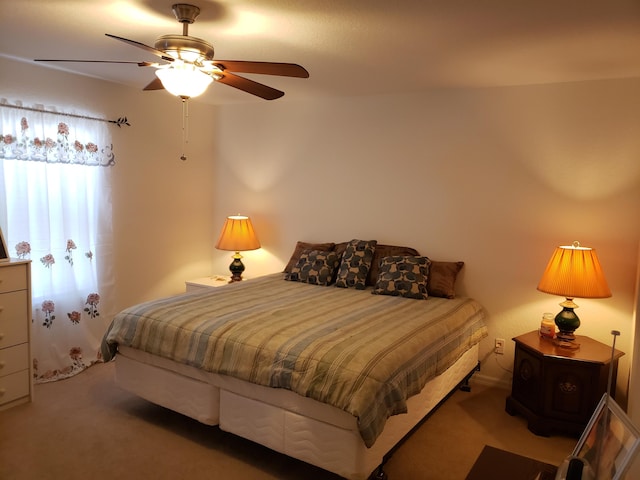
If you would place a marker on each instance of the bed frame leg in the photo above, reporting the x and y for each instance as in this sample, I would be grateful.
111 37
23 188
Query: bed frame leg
464 385
379 474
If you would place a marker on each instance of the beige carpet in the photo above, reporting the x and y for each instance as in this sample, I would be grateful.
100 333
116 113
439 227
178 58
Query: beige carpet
86 428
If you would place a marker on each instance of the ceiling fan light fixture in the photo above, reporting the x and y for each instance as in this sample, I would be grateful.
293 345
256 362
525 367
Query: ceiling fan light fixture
184 80
189 65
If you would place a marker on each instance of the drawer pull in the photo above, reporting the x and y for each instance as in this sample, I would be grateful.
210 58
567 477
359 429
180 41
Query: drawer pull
2 364
2 391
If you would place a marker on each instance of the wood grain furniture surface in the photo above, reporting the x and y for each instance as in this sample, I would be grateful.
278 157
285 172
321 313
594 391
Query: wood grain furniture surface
556 389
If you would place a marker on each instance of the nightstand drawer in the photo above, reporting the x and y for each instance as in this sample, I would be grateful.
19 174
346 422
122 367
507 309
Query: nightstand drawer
13 278
14 359
14 316
14 386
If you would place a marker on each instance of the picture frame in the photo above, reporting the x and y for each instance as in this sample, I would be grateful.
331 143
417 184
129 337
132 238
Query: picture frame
609 442
4 252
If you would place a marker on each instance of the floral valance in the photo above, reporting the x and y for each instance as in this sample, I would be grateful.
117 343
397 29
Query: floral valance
39 136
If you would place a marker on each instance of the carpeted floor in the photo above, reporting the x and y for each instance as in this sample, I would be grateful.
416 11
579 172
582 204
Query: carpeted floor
87 428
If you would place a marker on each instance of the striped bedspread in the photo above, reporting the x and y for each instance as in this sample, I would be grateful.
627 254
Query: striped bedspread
362 353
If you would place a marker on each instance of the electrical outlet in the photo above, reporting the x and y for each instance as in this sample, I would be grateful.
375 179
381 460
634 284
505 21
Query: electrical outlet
499 346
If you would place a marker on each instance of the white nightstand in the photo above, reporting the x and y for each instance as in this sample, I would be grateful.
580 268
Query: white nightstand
203 283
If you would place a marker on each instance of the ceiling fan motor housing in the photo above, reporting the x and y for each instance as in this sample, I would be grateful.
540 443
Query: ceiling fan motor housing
184 47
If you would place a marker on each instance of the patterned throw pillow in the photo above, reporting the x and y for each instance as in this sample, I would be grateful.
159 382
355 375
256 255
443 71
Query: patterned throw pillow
403 276
355 264
386 251
315 267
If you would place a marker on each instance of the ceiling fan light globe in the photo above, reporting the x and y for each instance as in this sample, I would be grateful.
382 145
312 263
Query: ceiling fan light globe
184 80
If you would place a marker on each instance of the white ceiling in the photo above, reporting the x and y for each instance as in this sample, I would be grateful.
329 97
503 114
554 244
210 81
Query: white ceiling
350 47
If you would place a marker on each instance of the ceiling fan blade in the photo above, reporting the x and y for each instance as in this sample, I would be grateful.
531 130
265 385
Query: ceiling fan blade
155 84
250 86
264 68
149 49
140 64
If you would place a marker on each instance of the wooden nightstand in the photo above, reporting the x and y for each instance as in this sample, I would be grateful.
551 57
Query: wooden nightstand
204 283
557 389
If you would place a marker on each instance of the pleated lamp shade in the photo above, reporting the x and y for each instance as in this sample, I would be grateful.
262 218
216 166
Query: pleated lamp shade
237 235
574 272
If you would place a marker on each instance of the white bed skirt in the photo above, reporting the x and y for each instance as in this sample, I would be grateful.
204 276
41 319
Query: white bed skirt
279 419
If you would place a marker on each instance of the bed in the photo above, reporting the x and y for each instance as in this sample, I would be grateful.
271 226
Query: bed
335 377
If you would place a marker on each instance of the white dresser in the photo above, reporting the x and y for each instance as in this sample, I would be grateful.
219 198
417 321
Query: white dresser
16 384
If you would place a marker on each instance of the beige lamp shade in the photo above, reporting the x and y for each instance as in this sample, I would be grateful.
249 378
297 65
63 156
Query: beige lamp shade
574 272
237 235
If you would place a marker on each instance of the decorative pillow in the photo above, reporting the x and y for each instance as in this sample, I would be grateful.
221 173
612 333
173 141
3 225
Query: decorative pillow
442 278
301 246
403 276
355 264
386 251
315 267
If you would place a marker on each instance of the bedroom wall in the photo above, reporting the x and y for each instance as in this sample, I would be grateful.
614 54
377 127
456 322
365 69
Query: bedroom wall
162 206
494 177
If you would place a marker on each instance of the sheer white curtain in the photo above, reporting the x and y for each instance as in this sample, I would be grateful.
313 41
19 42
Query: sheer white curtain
56 191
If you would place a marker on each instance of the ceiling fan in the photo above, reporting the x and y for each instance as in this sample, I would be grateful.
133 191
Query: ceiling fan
188 66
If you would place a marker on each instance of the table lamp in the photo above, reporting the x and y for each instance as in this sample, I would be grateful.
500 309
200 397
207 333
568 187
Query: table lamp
237 234
573 272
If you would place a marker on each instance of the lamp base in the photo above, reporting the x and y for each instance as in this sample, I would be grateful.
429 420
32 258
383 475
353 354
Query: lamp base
567 322
236 268
566 340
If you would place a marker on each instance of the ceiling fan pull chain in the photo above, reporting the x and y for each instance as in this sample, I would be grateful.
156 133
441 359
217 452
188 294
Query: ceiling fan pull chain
185 126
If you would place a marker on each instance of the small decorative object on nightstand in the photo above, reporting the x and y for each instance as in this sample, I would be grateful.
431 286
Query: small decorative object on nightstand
237 235
557 389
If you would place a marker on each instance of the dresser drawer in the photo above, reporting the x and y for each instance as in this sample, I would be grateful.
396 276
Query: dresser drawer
14 316
14 386
14 359
13 278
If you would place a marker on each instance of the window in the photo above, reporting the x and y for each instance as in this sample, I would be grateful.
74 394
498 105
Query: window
55 193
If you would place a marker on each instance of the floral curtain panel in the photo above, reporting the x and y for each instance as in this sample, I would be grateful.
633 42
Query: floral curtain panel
57 212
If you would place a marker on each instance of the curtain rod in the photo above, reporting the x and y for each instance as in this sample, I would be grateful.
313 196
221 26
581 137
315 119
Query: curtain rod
119 122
